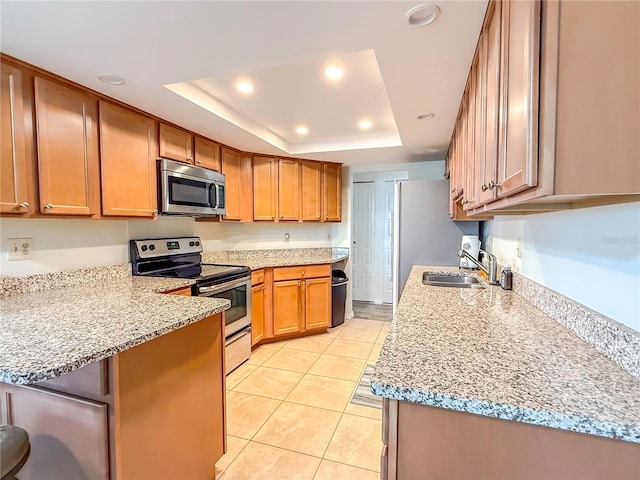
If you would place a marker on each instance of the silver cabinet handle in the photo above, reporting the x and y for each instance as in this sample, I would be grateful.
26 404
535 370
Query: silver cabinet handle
493 184
48 205
484 187
24 204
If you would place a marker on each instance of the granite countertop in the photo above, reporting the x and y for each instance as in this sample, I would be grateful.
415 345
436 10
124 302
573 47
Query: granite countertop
48 333
490 352
257 259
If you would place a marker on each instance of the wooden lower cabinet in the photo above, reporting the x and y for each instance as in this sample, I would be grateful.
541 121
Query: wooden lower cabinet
257 313
287 307
317 309
429 442
162 415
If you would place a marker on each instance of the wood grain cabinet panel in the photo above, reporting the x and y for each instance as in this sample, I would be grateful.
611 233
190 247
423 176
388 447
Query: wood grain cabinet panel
176 144
257 313
67 139
332 192
128 152
287 307
311 191
68 435
317 303
265 188
14 168
239 185
289 191
207 154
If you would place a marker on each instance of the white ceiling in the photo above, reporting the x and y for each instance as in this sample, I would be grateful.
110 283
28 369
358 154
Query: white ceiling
152 44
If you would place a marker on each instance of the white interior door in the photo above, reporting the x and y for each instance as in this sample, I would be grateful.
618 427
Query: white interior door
362 239
387 293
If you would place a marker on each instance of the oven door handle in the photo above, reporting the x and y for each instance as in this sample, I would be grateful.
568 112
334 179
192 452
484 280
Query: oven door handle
237 336
223 286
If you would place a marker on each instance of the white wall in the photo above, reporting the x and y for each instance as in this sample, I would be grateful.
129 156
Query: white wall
591 255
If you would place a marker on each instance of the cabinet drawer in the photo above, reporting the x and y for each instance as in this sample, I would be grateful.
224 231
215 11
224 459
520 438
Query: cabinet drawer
302 271
257 277
91 379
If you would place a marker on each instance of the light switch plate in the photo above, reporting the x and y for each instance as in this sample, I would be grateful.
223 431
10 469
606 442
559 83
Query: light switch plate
20 249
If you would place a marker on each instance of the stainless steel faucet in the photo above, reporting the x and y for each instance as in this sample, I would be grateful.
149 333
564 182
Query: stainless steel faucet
493 264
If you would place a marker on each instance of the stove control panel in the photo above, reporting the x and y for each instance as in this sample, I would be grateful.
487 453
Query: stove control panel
160 247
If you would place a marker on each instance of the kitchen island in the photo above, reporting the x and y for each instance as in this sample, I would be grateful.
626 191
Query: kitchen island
113 379
479 383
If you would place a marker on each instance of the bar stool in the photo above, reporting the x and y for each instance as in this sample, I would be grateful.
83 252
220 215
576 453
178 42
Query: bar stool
14 450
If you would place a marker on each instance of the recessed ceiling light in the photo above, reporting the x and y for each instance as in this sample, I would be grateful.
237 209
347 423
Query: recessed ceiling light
422 15
244 87
111 79
333 72
365 124
302 130
426 116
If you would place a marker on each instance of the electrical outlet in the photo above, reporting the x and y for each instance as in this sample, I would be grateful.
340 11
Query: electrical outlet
519 247
20 249
286 237
328 235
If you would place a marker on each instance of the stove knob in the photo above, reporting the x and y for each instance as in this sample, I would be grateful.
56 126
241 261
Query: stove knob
152 247
144 248
197 244
191 244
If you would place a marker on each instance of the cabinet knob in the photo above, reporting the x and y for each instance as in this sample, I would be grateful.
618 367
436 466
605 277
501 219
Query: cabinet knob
48 205
273 217
303 273
155 213
484 187
24 204
198 162
299 284
453 190
464 201
493 184
281 217
189 159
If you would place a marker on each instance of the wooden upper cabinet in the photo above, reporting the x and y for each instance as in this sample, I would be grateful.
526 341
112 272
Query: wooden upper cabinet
128 152
311 191
317 303
518 164
332 192
265 188
289 191
176 144
14 166
239 185
473 139
490 47
207 154
67 136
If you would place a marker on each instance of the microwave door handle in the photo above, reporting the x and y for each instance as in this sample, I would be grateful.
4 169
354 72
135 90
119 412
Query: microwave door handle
213 195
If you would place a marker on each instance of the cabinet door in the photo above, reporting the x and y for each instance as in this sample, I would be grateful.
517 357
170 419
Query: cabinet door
311 192
289 192
14 173
490 43
473 132
518 165
176 144
128 152
332 192
239 185
287 307
68 435
265 187
257 313
67 136
317 303
207 154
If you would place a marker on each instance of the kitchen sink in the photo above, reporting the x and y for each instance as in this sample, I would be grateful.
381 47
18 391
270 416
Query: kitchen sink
457 281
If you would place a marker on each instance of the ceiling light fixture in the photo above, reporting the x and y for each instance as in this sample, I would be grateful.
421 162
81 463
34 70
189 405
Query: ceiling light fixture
365 124
426 116
333 73
422 15
111 79
244 87
302 130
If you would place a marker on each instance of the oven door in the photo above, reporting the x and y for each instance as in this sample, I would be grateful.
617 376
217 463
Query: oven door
238 292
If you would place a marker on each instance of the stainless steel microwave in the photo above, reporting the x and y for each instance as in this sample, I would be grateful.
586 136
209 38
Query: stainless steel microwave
189 190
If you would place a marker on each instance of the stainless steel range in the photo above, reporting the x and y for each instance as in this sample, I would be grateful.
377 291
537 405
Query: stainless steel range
182 258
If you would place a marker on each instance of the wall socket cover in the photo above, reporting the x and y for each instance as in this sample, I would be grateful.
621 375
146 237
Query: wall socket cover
286 237
20 249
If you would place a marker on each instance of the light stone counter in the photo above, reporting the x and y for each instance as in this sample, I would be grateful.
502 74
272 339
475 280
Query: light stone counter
490 352
257 259
45 334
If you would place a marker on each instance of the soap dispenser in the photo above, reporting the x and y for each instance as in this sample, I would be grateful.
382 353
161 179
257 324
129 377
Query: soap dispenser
506 279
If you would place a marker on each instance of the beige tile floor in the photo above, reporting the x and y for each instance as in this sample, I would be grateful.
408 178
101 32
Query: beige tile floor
289 414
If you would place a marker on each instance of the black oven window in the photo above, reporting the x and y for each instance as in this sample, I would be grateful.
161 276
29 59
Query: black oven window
183 191
238 298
